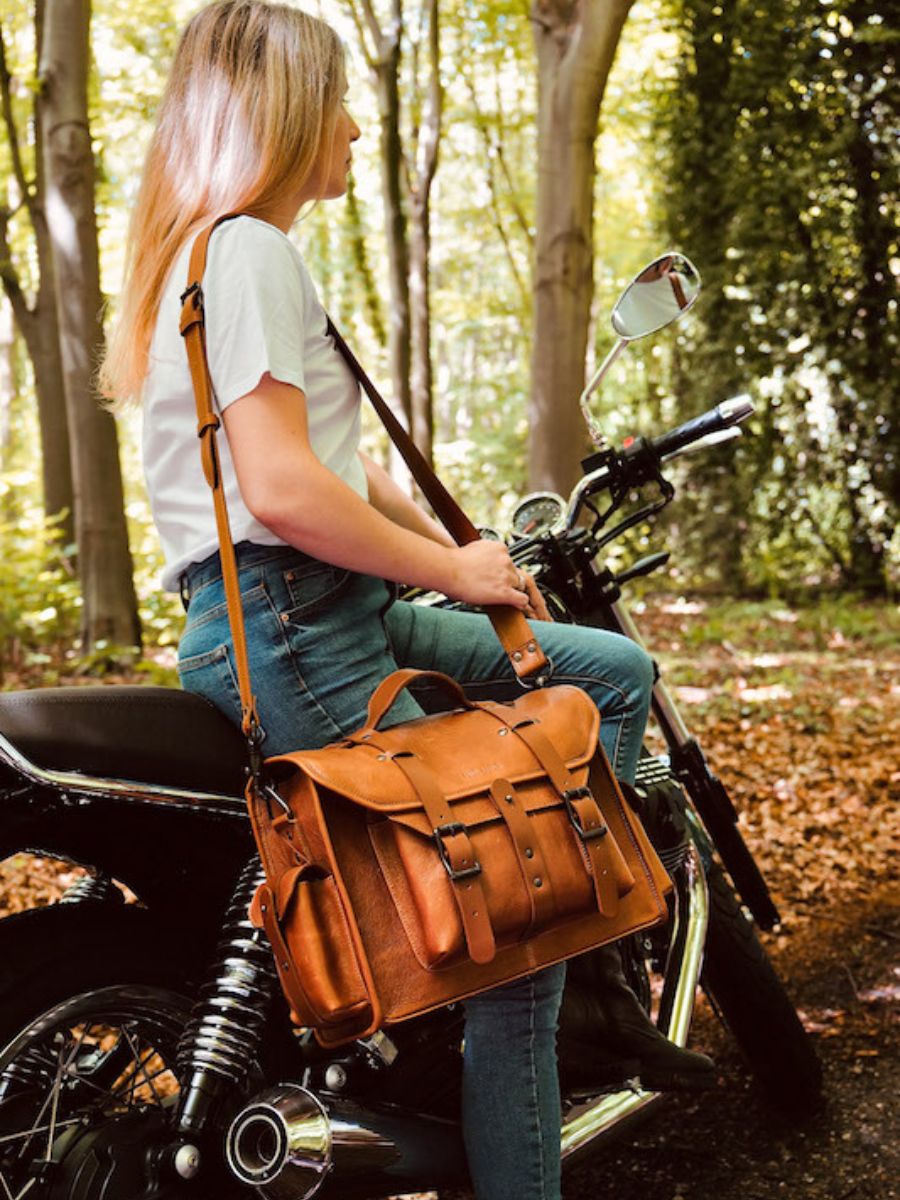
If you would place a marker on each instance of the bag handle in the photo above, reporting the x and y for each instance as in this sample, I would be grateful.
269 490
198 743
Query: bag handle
525 654
385 695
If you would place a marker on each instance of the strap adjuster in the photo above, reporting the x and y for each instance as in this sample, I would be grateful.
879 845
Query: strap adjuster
190 290
453 829
570 795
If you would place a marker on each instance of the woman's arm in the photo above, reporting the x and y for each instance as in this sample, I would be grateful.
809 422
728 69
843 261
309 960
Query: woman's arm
393 503
289 491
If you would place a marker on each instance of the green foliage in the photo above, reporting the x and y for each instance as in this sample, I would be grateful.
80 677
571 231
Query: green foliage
40 601
777 140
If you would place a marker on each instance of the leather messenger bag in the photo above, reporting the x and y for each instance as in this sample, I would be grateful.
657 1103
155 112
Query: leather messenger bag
409 867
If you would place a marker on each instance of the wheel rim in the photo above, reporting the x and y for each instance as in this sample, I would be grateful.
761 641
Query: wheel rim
95 1057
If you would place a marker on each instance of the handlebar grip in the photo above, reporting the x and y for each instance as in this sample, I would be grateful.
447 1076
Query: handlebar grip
729 412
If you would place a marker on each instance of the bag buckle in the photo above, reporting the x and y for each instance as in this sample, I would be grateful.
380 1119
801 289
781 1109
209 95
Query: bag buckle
570 795
453 829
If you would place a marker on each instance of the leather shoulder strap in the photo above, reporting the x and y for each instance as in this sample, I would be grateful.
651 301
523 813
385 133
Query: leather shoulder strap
194 334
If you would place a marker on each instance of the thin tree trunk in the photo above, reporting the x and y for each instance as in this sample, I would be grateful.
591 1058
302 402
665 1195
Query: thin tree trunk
104 560
38 324
576 42
427 138
386 67
421 382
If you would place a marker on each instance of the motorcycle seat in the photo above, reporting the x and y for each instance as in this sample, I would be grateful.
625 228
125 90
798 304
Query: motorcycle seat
141 734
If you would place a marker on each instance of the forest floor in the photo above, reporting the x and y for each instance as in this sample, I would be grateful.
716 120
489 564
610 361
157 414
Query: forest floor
799 713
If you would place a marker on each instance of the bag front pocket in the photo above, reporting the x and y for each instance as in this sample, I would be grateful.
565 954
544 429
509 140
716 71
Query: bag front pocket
533 873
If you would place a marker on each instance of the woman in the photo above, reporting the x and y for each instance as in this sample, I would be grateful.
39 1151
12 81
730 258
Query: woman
253 120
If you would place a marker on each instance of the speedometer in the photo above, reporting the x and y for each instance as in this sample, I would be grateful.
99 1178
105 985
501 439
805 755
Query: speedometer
541 512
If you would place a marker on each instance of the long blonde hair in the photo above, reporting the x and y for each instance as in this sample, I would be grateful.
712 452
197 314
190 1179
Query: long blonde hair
249 106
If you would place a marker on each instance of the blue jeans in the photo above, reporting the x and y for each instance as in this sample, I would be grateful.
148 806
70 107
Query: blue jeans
320 639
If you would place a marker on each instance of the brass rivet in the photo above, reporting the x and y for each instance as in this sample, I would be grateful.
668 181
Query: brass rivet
538 882
503 732
285 618
531 647
381 758
529 853
508 798
518 656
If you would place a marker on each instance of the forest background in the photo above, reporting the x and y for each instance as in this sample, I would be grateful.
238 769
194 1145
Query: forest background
759 140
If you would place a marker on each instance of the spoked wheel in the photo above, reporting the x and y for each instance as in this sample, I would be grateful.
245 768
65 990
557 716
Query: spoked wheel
85 1088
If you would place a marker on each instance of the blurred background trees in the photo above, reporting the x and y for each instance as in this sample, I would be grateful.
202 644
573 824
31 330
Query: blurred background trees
760 141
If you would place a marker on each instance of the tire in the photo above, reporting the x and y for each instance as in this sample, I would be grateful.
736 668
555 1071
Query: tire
739 976
91 1013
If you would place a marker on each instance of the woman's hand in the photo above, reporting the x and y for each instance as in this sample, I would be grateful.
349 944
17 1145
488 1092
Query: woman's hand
485 574
536 608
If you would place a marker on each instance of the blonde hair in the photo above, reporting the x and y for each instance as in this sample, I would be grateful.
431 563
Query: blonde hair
249 107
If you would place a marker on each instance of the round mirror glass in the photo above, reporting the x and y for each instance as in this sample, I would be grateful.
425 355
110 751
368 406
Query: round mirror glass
658 295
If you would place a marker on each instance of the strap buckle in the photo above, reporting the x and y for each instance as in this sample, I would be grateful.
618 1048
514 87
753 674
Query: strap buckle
530 683
453 829
570 795
270 793
190 290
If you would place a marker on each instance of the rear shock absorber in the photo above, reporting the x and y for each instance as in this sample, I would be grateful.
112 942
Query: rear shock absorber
221 1040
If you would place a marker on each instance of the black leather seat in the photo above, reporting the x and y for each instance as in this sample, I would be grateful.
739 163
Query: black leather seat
145 734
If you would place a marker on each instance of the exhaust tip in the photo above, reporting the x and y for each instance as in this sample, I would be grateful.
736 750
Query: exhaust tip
285 1127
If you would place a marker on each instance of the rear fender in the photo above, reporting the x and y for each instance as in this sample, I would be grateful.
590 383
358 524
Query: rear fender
30 942
179 854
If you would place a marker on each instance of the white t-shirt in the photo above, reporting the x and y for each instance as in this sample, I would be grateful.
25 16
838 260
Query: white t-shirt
262 314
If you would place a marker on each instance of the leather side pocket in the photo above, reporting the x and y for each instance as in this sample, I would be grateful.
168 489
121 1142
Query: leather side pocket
314 951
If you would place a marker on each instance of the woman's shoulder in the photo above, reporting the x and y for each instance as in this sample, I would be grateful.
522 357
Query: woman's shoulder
252 236
248 246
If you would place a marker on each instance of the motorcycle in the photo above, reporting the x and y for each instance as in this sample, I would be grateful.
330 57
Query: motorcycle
146 1051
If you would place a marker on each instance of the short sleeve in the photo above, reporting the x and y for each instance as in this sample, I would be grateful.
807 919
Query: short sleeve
255 309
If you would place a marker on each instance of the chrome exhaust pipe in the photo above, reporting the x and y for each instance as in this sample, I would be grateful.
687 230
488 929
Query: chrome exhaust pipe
288 1145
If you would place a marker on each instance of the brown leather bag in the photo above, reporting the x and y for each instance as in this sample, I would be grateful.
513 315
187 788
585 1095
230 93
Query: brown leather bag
410 867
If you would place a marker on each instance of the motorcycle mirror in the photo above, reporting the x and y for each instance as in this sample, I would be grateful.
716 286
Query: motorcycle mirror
658 295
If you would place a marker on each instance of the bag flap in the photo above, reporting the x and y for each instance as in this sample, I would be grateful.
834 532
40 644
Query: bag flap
466 750
473 811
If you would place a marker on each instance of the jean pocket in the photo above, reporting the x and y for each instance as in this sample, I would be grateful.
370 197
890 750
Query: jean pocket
313 587
211 675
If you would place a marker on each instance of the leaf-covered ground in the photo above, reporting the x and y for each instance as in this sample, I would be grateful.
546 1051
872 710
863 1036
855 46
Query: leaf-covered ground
799 713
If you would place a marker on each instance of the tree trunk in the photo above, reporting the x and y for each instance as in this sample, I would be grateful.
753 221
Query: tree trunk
104 560
576 42
422 425
388 92
38 324
427 140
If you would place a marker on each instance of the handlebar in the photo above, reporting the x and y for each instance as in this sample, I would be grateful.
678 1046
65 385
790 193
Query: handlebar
729 412
641 460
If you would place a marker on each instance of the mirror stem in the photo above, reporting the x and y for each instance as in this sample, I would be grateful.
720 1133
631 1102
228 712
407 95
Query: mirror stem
593 428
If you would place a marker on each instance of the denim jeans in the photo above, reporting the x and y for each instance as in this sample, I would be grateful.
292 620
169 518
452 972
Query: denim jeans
320 639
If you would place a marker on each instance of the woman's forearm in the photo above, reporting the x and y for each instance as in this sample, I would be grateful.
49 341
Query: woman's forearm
319 513
393 503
